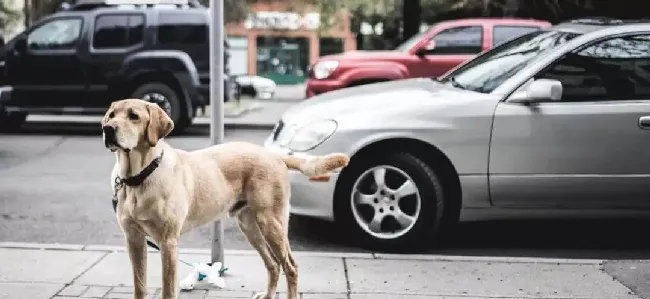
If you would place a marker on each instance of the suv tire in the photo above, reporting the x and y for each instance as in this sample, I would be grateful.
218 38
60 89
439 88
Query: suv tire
11 121
167 99
385 203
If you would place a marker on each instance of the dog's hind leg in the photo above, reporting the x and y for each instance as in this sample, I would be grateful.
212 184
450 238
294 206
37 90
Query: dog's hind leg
248 226
273 229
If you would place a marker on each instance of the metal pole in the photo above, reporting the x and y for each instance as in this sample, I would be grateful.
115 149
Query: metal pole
216 103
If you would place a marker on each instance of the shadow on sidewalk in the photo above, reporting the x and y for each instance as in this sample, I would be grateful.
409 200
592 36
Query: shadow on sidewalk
584 239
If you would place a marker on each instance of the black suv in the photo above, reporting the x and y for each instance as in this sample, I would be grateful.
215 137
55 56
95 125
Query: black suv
82 59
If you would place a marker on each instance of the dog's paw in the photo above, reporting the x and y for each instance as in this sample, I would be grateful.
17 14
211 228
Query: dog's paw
262 295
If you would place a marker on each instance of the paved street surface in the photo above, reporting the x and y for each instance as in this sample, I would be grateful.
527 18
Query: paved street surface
55 189
31 271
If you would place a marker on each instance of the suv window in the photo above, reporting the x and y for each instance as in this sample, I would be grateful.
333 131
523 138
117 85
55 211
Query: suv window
118 31
182 28
459 40
614 69
57 34
502 33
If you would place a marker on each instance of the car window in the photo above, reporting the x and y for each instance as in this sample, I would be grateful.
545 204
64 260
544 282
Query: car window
614 69
56 35
409 43
118 31
489 70
502 33
182 28
459 40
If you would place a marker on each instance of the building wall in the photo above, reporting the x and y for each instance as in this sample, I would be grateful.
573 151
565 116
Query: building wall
274 21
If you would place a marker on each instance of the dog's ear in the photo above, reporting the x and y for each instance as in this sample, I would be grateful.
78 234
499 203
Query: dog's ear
108 112
160 125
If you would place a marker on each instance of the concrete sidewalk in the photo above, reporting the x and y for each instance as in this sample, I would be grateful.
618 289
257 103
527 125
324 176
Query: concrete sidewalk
39 271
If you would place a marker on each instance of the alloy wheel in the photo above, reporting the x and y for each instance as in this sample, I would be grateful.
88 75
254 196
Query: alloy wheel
385 202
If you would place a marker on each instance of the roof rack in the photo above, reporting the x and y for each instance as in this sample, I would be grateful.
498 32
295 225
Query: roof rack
93 4
596 21
606 21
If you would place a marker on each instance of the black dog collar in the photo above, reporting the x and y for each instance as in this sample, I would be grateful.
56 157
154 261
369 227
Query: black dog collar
137 179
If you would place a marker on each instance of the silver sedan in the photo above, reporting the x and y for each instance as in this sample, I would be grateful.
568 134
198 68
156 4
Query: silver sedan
555 123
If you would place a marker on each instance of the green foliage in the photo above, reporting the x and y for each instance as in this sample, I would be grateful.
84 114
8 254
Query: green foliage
8 16
233 10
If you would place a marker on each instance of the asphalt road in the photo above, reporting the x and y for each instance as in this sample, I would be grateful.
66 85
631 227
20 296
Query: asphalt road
54 188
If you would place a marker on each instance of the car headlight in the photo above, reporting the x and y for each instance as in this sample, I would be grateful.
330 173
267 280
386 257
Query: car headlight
308 136
324 69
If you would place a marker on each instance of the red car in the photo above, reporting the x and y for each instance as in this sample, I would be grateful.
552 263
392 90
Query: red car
428 54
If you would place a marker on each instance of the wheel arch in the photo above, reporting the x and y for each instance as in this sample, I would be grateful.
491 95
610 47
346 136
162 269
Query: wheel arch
366 81
434 158
159 76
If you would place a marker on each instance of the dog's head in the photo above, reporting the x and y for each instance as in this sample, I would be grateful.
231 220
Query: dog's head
134 123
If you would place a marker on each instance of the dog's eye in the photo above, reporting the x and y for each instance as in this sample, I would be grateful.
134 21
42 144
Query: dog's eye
133 116
111 115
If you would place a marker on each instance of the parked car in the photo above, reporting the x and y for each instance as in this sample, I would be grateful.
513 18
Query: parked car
554 123
428 54
78 61
256 86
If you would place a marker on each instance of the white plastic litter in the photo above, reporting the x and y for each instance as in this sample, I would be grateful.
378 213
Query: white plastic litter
211 277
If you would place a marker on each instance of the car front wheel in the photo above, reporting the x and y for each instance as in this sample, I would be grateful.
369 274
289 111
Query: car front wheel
11 121
165 97
389 202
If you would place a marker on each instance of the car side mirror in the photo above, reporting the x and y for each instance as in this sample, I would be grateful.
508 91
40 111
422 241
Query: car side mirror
428 48
540 90
21 45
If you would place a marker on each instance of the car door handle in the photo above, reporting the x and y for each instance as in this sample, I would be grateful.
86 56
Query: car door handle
644 122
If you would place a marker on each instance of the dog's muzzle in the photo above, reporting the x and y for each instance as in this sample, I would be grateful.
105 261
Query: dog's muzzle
110 138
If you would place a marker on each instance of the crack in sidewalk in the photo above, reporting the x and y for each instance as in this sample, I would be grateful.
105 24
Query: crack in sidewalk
347 278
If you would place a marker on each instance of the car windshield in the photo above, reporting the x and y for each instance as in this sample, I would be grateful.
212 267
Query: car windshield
409 43
487 72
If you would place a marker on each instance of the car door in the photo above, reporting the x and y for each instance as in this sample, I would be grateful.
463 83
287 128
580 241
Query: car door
447 49
47 73
591 149
115 36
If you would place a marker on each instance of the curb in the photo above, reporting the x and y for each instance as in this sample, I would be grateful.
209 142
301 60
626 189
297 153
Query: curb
251 126
320 254
197 123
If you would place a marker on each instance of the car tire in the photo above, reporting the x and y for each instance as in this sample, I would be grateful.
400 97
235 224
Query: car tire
167 99
11 121
359 177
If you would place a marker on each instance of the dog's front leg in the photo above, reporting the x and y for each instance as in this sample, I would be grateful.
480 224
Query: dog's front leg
169 256
136 246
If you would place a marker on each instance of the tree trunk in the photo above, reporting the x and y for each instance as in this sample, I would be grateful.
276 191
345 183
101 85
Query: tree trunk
411 16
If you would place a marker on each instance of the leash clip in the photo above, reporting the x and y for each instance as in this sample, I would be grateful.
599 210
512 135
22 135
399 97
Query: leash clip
119 183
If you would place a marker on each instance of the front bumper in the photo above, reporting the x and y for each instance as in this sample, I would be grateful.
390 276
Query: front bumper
5 95
315 87
230 88
308 198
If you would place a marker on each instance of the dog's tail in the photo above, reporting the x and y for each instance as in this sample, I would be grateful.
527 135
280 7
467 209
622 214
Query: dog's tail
316 166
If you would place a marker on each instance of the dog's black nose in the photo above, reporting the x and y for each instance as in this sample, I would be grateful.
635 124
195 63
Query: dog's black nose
109 133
